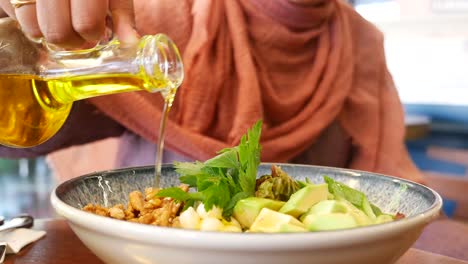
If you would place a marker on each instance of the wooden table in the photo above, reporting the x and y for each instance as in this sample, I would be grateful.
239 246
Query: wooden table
62 246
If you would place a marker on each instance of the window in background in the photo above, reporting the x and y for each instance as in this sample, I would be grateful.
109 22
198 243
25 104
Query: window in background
426 43
25 187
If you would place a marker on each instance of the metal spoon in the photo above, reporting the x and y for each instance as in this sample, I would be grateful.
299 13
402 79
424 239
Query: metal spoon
18 222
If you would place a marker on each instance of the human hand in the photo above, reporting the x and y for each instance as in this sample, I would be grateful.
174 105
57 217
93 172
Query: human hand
72 23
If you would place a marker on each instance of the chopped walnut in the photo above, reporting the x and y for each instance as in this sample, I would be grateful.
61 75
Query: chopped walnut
146 219
129 215
162 216
176 222
136 200
184 187
116 212
145 209
175 208
148 205
155 202
120 206
150 193
90 208
103 211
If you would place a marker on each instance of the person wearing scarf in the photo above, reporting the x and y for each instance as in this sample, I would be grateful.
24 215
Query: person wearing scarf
314 71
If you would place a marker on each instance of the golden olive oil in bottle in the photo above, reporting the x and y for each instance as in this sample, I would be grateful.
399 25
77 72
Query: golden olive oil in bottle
36 98
34 109
24 122
39 83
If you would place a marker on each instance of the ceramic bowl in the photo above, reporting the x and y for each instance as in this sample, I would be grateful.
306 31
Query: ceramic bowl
115 241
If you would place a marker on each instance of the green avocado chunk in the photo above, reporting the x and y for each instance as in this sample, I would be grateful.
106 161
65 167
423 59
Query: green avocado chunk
269 221
328 215
327 207
304 199
331 221
384 218
357 198
361 218
246 210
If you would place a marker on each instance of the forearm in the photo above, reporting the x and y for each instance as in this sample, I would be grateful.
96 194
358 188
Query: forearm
85 124
3 13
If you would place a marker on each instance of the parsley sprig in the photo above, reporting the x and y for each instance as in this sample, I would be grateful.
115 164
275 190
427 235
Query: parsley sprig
224 179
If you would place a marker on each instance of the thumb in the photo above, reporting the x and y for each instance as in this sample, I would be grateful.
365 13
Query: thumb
123 19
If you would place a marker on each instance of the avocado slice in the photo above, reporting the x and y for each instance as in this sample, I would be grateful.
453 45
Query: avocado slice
361 218
329 215
331 221
327 207
269 221
246 210
357 198
367 208
383 218
288 228
304 199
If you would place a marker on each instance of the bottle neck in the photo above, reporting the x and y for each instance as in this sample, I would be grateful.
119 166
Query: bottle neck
154 64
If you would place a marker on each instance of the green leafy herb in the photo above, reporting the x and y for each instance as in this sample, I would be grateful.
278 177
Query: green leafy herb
303 184
224 179
179 195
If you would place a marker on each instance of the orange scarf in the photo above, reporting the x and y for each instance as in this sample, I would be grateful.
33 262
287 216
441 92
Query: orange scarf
299 68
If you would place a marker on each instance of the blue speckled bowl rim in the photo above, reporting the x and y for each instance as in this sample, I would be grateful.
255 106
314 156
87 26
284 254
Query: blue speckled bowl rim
436 205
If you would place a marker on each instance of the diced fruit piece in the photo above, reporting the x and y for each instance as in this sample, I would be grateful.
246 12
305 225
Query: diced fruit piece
269 221
367 208
288 228
361 218
304 199
330 221
211 224
327 207
376 210
357 198
246 210
383 218
232 228
235 222
215 212
189 219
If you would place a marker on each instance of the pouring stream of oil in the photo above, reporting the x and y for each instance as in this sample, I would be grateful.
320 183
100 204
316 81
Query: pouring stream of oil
168 100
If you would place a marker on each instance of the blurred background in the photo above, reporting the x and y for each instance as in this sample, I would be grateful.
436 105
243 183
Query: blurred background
427 52
426 44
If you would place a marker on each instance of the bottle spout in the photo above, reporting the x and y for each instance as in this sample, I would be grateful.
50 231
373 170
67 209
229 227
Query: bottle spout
161 63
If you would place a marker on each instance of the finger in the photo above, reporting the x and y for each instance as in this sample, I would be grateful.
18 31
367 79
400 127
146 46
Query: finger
89 18
27 18
123 18
6 6
56 24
